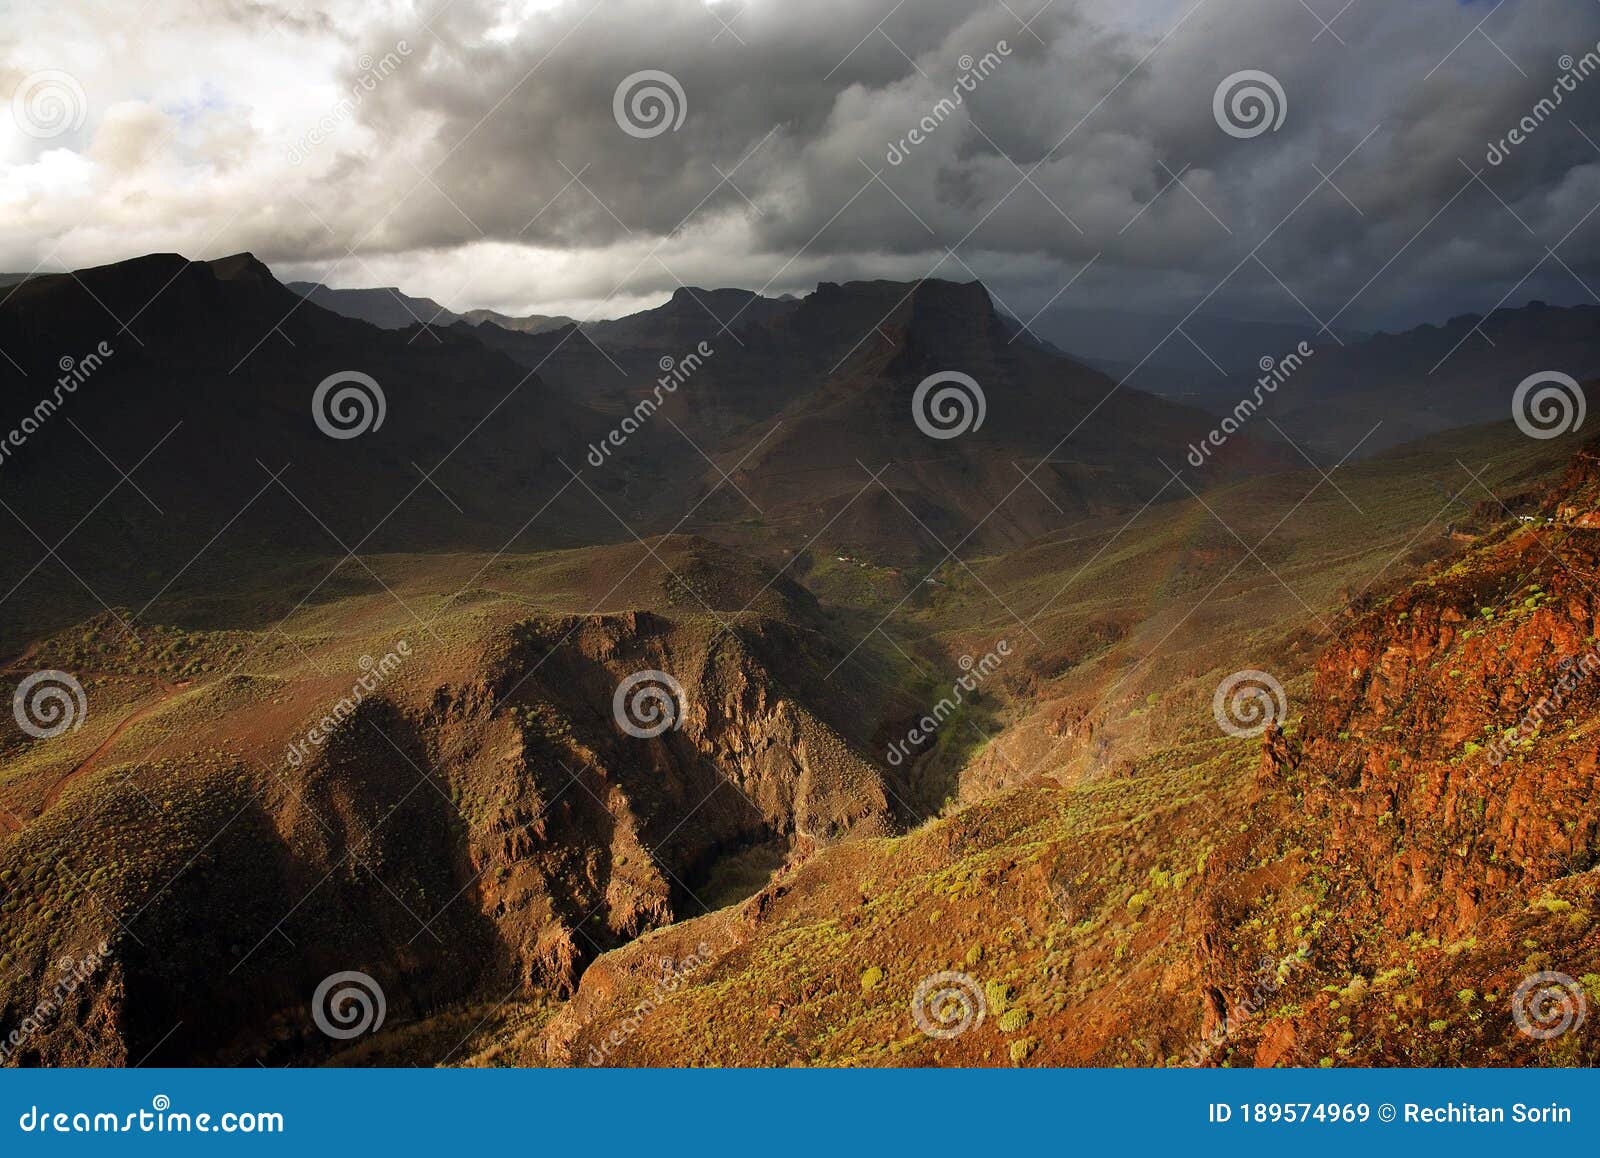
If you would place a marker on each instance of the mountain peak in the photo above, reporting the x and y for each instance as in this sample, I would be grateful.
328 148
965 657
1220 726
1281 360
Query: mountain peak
922 295
969 293
240 267
695 297
933 297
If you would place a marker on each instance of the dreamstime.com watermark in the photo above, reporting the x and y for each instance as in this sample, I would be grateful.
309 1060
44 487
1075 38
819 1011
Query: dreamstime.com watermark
1249 702
376 671
948 404
648 103
48 703
648 703
976 672
972 72
73 974
1248 103
348 1004
945 1005
1549 404
1274 373
160 1118
1547 1005
1574 670
673 976
1573 73
347 404
674 373
74 373
373 72
49 103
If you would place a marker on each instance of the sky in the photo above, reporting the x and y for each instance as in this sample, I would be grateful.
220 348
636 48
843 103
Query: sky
588 158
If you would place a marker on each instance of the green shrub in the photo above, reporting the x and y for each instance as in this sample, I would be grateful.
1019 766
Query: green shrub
1014 1019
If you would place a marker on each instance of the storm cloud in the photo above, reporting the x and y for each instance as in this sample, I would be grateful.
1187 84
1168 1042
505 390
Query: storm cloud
477 152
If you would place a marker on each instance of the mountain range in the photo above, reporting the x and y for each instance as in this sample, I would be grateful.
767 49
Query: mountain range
938 620
390 309
1430 378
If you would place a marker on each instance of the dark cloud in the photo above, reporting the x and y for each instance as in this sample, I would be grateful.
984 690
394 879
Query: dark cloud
497 137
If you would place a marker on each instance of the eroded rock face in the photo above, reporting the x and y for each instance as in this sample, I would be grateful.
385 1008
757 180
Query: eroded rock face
1441 791
451 837
594 834
1379 886
1443 794
1372 887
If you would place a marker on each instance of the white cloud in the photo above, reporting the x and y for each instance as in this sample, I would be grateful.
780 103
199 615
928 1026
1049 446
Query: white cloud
485 167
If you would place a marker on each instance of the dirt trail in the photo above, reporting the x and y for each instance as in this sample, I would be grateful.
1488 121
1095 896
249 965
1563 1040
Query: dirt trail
10 822
133 717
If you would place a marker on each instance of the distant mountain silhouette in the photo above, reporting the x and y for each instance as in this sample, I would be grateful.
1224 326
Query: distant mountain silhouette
1422 381
385 306
528 324
1163 344
813 388
1058 440
217 365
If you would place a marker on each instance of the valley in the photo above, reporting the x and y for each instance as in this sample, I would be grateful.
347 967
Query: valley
913 707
